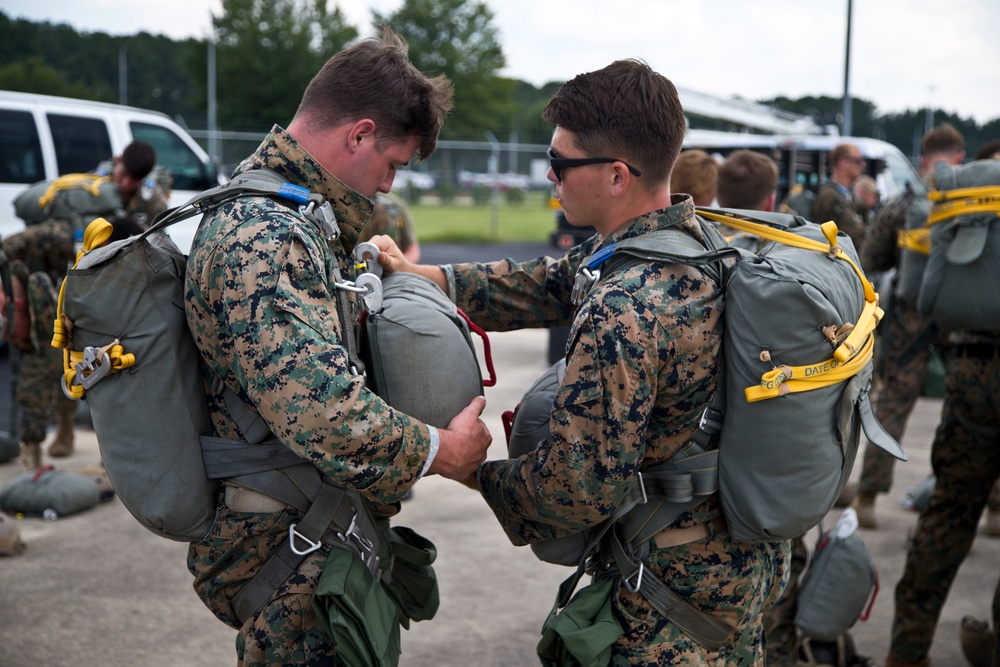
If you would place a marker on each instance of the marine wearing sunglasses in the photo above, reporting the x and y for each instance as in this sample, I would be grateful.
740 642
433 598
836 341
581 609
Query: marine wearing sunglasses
560 163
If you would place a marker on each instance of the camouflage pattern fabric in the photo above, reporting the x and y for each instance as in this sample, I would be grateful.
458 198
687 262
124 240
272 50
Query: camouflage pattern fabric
642 363
391 218
37 388
779 619
965 457
899 385
837 203
39 256
260 302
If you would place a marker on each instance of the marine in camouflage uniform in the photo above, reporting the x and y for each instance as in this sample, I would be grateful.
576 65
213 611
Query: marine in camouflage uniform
901 381
39 256
392 218
836 202
642 363
260 303
965 458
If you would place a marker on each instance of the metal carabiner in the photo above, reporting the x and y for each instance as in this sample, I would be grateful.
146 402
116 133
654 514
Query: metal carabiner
367 253
93 368
372 296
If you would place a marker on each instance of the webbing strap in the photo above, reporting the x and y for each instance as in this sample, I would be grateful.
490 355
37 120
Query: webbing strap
707 630
88 182
916 240
947 209
792 379
304 538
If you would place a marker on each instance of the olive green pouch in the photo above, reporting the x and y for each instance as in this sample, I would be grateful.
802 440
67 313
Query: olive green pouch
413 585
583 632
356 612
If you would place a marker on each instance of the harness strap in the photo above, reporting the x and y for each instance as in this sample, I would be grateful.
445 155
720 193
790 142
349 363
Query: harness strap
709 631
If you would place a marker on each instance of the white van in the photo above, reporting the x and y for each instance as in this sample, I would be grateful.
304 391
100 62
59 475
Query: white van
43 137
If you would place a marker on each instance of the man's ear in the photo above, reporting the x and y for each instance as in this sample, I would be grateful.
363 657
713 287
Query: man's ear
360 132
620 179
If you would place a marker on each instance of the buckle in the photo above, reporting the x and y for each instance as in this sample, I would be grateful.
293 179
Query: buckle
323 216
93 368
365 547
292 534
372 286
634 588
366 257
711 421
584 281
642 487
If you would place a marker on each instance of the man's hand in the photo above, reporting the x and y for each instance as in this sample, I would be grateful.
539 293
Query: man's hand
392 259
463 444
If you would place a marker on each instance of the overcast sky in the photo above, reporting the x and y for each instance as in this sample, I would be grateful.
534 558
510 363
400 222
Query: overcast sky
904 54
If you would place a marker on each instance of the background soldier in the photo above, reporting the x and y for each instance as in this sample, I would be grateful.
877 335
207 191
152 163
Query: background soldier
902 367
835 199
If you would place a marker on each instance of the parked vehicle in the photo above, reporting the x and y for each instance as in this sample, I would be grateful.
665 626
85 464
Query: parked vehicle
43 137
801 159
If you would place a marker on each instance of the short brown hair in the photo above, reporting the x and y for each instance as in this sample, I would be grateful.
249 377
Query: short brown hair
840 151
375 79
989 151
626 111
695 173
746 179
138 159
942 139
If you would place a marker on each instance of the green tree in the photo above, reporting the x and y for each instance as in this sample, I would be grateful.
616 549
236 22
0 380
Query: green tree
457 38
33 75
268 51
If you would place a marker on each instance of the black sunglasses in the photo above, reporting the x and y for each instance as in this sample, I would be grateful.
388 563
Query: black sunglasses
560 163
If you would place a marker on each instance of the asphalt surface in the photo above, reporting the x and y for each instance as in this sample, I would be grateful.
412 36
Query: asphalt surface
97 589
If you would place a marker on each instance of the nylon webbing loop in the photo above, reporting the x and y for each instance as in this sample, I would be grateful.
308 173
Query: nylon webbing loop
703 628
963 201
89 182
792 379
916 240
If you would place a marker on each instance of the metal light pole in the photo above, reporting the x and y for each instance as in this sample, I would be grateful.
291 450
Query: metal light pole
846 129
213 130
123 75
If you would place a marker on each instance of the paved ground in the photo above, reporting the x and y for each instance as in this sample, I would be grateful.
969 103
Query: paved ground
98 589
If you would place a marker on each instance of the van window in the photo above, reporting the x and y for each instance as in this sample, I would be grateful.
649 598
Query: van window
19 146
184 165
81 143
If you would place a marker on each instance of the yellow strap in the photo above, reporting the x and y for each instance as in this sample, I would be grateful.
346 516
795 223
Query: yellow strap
793 379
963 193
832 249
916 240
953 208
89 182
96 234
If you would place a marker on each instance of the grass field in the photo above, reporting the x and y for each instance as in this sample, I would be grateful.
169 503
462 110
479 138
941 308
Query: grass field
465 222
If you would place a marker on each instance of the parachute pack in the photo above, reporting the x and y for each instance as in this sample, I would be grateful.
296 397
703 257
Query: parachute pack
793 396
964 253
128 351
78 198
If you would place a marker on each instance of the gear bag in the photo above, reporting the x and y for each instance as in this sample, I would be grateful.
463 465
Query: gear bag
964 259
413 323
78 198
